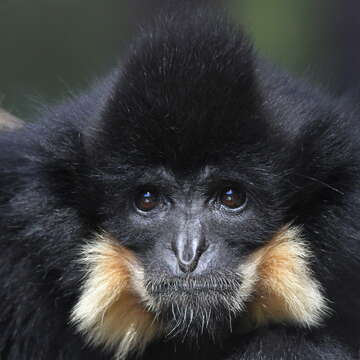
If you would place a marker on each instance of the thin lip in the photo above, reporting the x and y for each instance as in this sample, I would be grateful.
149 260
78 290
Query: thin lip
185 289
224 284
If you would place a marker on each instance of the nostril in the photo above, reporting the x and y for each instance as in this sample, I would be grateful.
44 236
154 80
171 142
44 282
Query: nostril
189 245
189 254
189 263
188 266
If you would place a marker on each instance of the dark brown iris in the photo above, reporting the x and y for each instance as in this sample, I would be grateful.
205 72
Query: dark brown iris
147 200
232 198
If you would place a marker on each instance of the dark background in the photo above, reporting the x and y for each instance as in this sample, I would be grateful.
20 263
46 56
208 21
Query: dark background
49 48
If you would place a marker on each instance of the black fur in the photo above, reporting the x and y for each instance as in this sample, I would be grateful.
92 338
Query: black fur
191 94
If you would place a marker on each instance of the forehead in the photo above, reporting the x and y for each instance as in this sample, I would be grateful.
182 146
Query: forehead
246 164
229 170
177 177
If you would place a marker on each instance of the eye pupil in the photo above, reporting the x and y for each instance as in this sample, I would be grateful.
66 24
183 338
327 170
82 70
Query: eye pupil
147 195
232 198
146 200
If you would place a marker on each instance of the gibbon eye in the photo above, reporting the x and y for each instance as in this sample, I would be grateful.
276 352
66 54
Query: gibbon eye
147 200
232 198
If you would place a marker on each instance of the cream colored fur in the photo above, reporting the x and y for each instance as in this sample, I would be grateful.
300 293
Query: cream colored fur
277 284
285 289
109 311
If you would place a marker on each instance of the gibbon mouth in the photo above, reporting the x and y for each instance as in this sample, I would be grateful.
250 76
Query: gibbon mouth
184 288
210 293
193 285
193 306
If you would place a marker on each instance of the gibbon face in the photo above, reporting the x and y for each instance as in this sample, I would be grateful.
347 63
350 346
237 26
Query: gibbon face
191 255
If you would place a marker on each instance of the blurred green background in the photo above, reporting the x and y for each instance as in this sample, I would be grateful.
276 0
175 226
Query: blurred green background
49 48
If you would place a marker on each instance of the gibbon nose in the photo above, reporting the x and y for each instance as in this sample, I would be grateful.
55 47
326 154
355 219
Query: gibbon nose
188 247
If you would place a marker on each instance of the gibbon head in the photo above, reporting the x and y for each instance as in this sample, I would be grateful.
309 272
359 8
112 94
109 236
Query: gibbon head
194 236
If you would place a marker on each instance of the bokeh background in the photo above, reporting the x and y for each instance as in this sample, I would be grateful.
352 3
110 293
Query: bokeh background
49 48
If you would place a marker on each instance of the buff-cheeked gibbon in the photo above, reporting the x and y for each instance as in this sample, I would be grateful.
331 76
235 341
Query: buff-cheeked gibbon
196 203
